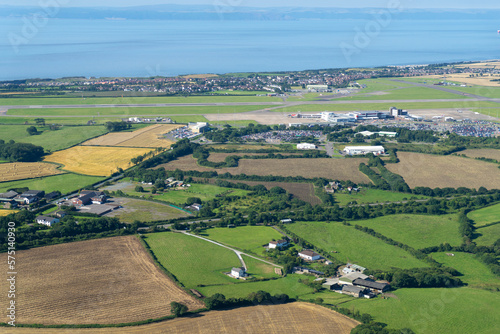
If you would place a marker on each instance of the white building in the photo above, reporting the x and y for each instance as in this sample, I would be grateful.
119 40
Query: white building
278 244
238 272
309 255
306 146
198 127
317 88
361 150
381 133
49 221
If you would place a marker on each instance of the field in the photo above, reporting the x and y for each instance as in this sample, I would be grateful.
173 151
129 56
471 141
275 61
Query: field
250 238
434 171
340 169
258 268
26 170
273 319
65 137
146 137
97 161
289 285
408 93
205 192
92 282
133 100
465 78
487 236
219 157
475 273
368 195
145 211
303 191
354 246
488 215
417 231
193 261
4 213
65 183
483 153
429 311
137 111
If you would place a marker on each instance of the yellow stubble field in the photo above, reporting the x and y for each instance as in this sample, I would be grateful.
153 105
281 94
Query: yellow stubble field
94 160
26 170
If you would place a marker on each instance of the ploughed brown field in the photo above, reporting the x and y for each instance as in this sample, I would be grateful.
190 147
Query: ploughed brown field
426 170
273 319
489 153
336 169
104 281
303 191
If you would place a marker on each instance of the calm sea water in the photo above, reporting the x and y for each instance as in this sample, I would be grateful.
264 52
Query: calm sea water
64 47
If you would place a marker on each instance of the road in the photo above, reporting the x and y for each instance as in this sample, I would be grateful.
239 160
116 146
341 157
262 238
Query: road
238 253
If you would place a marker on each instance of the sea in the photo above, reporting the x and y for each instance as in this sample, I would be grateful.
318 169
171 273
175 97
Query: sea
54 48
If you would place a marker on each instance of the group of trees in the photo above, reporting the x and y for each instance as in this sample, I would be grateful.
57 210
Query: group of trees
219 301
117 126
22 152
428 277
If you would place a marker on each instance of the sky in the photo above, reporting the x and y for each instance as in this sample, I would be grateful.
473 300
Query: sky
456 4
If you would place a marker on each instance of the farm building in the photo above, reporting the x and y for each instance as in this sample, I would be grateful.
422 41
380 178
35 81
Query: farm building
238 272
49 221
309 255
306 146
278 244
88 196
30 196
354 291
380 133
374 286
285 221
8 196
51 196
350 268
361 150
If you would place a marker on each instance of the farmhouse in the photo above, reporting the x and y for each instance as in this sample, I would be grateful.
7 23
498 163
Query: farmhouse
49 221
373 286
306 146
361 150
238 272
309 255
278 244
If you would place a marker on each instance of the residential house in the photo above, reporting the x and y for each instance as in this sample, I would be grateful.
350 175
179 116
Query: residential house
309 255
278 244
238 272
373 286
60 213
49 221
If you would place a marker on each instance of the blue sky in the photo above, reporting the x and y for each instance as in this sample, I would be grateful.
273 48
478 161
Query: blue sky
460 4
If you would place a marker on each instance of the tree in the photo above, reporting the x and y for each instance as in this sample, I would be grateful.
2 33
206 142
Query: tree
192 200
178 309
32 130
40 121
139 189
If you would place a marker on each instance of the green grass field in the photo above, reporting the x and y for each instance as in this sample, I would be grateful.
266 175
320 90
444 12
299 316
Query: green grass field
383 106
491 92
133 100
408 93
475 273
57 140
205 192
417 231
289 285
14 120
430 311
65 183
250 238
146 211
258 268
488 215
368 195
354 246
193 261
135 111
488 235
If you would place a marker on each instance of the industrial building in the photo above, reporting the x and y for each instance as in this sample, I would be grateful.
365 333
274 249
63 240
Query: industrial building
380 133
361 150
199 127
306 146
